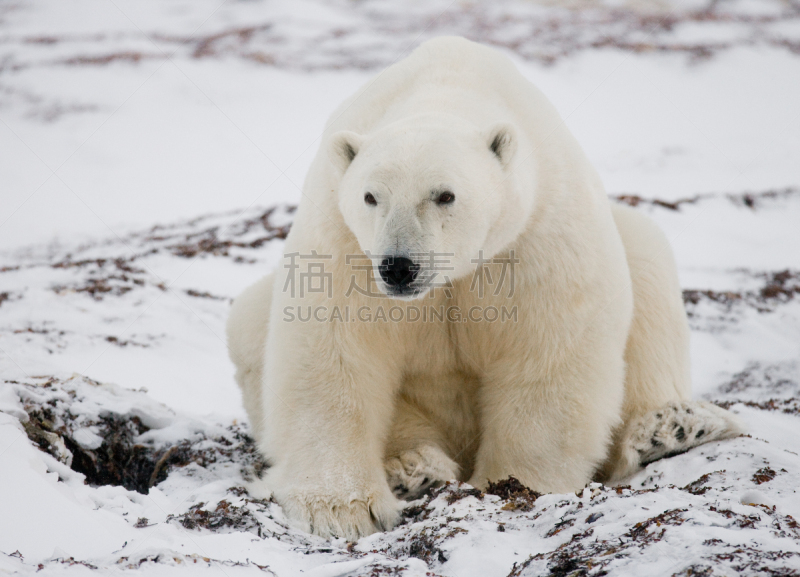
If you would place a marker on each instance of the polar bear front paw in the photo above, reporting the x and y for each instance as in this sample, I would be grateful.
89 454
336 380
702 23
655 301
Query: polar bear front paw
347 516
414 472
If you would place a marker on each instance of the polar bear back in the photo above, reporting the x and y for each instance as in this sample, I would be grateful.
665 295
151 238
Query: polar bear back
457 77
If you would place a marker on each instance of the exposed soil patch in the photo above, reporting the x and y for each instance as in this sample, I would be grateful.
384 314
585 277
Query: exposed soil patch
205 295
454 495
124 343
377 570
519 497
741 521
210 242
752 200
750 561
119 263
636 200
585 555
224 517
537 35
101 278
98 288
699 486
764 387
375 33
211 44
103 59
109 449
763 475
787 406
119 460
779 288
171 558
424 546
772 381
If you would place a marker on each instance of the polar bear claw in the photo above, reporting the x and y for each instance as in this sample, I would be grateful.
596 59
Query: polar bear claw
414 472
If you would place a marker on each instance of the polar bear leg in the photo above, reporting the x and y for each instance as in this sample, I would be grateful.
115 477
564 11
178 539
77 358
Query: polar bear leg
415 459
247 336
657 414
670 430
549 434
657 350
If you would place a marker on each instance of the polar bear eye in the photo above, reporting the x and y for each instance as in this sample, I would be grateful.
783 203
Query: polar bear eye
446 198
370 199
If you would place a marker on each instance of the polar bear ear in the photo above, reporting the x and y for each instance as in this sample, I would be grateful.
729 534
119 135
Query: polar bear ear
343 148
502 141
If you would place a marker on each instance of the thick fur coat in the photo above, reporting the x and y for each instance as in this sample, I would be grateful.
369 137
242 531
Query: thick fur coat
452 153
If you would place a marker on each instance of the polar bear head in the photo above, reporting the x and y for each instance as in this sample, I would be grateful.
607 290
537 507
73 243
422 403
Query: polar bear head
427 199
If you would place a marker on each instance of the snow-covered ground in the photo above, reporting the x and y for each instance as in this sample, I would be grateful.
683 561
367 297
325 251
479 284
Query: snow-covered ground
151 153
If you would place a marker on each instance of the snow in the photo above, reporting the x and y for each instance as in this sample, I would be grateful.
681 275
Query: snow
151 154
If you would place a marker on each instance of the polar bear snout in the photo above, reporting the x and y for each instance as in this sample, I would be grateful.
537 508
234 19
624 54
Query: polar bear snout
399 273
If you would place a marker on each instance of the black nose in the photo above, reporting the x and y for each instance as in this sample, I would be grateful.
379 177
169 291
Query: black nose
398 271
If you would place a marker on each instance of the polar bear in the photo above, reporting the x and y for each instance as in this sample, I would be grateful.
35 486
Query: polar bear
445 175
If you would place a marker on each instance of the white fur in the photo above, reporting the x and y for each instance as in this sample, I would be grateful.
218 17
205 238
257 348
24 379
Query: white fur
416 470
338 406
